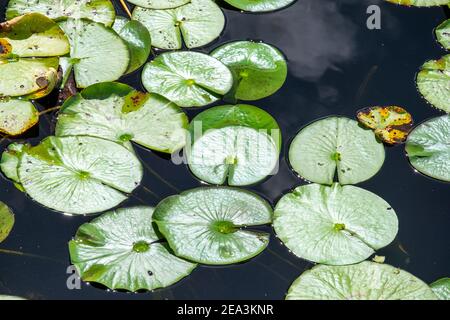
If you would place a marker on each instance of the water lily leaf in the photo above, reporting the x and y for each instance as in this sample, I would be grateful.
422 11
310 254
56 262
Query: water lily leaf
159 4
433 82
334 225
190 79
441 288
391 124
196 24
9 162
428 148
420 3
137 38
362 281
238 155
209 225
260 5
6 297
443 34
119 113
98 54
96 10
122 250
6 221
336 144
235 115
79 175
260 70
17 116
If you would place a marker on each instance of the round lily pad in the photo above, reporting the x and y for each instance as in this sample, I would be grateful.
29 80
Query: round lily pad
259 69
195 24
117 112
428 148
137 37
336 144
122 250
362 281
433 82
17 116
334 225
441 288
209 225
190 79
6 221
419 3
443 34
159 4
95 10
260 5
97 53
238 155
78 175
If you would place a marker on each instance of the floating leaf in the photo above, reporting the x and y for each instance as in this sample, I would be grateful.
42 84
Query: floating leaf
9 163
6 221
362 281
5 297
97 53
334 225
260 70
391 124
208 225
260 5
196 24
420 3
441 288
428 148
336 144
95 10
17 116
117 112
190 79
159 4
122 250
433 82
443 34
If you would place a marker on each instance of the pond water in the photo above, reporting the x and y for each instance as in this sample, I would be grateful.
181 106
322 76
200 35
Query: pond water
336 66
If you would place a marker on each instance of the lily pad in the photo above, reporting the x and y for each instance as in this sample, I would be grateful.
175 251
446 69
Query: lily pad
96 10
433 82
259 69
420 3
78 175
238 155
9 163
209 225
336 144
17 116
196 24
362 281
441 288
391 124
190 79
137 37
260 5
6 221
428 148
122 250
334 225
443 34
97 53
117 112
6 298
159 4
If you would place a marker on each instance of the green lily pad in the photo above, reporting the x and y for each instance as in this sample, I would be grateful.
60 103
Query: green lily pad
428 148
362 281
6 221
259 69
17 116
6 297
137 37
334 225
209 225
433 82
78 175
122 250
441 288
260 5
443 34
9 162
96 10
190 79
117 112
159 4
196 24
336 144
238 155
420 3
97 53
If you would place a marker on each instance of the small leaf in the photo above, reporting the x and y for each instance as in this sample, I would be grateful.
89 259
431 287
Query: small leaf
260 5
443 34
441 288
17 116
6 221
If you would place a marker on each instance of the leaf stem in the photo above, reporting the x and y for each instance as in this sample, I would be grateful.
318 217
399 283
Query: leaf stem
49 110
125 7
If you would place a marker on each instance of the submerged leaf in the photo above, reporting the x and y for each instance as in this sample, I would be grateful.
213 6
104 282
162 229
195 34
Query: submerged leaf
208 225
17 116
443 34
159 4
420 3
260 5
6 221
441 288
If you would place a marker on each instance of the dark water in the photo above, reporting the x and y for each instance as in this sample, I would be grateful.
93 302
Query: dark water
336 66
